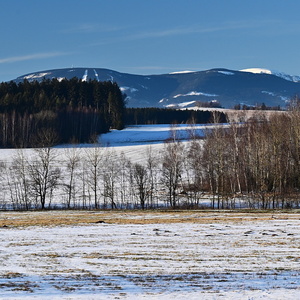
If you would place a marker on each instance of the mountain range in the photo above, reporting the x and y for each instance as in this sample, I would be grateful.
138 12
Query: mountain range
183 89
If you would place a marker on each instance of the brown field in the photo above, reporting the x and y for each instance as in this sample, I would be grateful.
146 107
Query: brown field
64 217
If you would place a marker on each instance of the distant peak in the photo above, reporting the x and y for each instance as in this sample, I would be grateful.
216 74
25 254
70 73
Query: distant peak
283 75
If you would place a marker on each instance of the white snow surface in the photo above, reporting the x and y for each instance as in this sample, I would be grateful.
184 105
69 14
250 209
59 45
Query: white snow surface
148 134
246 259
182 72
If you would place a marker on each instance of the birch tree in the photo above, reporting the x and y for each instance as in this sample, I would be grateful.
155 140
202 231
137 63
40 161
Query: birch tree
94 160
72 164
19 173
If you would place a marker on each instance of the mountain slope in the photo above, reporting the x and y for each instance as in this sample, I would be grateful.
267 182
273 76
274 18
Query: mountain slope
283 75
182 89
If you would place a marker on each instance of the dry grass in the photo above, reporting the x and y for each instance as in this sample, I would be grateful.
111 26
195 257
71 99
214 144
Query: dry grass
57 218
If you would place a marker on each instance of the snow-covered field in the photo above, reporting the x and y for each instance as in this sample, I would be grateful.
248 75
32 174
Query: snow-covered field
150 134
151 255
133 141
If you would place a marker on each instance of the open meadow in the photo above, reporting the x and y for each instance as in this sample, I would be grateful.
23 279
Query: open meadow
149 255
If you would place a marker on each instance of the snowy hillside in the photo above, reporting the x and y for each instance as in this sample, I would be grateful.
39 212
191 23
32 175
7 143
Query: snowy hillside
184 89
148 134
283 75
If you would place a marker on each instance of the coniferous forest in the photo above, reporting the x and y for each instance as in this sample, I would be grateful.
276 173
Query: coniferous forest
52 111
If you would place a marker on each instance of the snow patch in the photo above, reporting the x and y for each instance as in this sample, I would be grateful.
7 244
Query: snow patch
185 104
284 98
182 72
226 72
85 76
268 93
194 93
257 71
96 74
285 76
36 75
126 88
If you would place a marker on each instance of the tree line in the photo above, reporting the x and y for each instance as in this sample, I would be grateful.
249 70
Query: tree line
153 115
261 106
257 162
67 110
252 165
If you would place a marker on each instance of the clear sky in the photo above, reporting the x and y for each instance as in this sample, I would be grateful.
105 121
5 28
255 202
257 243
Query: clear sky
148 36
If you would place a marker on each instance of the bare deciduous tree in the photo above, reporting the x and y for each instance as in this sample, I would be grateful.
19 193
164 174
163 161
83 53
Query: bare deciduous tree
194 185
111 178
152 166
21 179
94 159
172 162
44 175
141 180
72 164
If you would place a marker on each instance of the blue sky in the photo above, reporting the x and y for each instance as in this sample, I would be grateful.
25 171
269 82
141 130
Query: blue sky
148 36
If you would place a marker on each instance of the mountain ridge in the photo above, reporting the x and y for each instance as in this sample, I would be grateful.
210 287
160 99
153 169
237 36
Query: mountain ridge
183 89
294 78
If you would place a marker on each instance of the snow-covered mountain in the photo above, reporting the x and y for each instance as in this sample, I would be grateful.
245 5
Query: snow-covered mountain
183 89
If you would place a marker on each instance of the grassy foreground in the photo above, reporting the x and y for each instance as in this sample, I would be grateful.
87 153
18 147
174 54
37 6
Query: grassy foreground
65 217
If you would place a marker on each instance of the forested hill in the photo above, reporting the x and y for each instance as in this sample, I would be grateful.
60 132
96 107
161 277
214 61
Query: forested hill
52 111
